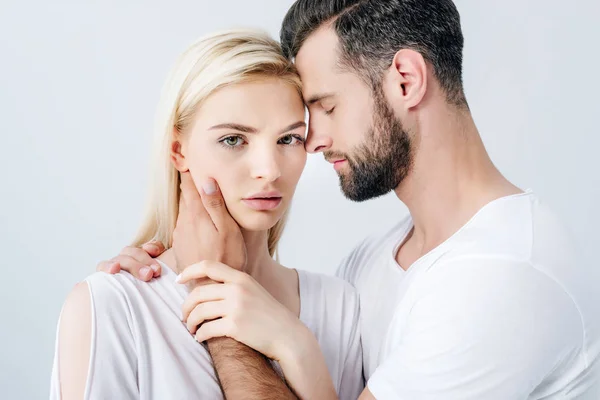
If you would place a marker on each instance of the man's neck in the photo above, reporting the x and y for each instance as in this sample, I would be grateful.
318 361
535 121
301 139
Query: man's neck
451 179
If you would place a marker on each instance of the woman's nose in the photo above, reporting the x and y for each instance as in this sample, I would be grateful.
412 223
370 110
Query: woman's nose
266 166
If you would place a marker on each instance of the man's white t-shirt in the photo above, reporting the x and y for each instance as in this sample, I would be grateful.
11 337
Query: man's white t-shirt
501 310
141 350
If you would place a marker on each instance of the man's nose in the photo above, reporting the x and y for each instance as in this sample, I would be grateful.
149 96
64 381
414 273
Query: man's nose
317 141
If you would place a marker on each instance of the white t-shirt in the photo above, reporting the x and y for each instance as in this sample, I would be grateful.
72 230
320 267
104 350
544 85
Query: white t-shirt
501 310
140 349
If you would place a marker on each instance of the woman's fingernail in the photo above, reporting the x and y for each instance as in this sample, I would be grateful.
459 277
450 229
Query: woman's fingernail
209 187
154 267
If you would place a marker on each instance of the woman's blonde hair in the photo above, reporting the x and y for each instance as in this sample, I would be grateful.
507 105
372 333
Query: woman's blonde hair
212 62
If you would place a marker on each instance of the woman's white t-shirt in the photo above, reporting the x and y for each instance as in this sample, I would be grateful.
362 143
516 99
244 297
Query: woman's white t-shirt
140 348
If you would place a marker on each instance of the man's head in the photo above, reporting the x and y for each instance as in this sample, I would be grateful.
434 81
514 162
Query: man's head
368 67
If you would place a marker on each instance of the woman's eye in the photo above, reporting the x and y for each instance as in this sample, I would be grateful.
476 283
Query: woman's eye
328 112
233 141
290 140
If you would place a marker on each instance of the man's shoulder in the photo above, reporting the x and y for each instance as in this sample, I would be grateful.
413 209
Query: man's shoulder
489 285
371 247
518 227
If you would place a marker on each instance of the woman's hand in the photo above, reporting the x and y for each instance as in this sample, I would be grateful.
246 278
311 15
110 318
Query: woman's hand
238 307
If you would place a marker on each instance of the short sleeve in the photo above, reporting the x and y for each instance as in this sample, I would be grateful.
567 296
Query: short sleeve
480 329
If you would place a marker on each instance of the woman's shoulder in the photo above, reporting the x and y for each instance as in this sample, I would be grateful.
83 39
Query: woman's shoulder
330 308
102 299
326 295
328 285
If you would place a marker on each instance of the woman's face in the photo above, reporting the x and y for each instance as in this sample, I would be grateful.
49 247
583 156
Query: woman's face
249 137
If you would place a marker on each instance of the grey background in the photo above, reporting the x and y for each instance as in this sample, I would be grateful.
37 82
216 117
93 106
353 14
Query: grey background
79 83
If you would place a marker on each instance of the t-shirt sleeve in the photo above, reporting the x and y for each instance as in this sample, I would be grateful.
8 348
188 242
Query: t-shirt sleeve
352 380
480 329
112 371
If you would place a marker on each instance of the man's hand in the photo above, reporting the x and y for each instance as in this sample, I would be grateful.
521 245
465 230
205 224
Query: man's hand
139 262
205 230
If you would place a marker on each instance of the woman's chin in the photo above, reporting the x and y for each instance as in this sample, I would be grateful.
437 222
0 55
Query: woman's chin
255 221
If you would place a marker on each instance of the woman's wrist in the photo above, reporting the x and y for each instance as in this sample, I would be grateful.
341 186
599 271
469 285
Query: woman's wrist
299 347
304 366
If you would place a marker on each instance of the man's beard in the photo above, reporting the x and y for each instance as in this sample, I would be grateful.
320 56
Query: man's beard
382 162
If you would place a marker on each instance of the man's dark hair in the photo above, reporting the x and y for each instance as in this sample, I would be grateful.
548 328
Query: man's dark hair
371 32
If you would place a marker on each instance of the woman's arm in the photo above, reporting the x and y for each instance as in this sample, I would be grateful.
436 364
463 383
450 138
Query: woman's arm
304 367
74 343
238 307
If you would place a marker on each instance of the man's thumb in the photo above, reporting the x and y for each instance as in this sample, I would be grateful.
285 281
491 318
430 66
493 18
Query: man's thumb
212 197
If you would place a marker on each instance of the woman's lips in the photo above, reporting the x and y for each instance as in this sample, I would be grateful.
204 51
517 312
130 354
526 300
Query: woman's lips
263 203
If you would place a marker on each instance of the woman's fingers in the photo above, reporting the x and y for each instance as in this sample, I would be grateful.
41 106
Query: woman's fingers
214 270
202 294
212 329
205 312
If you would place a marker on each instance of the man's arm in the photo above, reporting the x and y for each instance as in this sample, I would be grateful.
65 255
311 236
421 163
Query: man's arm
245 373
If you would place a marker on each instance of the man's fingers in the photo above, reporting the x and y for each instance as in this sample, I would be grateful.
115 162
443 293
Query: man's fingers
213 202
190 195
134 267
141 256
154 248
110 267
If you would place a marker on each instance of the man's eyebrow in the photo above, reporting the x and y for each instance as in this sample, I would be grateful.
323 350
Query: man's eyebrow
235 127
317 97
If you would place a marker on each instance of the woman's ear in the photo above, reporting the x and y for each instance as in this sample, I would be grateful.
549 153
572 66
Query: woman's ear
177 154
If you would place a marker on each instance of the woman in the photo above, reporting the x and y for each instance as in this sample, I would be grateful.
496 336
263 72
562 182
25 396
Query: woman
232 110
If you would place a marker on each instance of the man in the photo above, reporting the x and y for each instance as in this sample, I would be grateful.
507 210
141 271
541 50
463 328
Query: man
477 295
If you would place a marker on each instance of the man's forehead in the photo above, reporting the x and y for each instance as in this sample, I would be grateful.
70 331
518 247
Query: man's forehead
316 63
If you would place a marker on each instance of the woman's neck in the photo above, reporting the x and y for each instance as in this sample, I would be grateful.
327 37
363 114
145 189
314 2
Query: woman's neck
259 264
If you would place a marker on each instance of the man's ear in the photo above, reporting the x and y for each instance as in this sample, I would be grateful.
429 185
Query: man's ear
177 154
408 76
